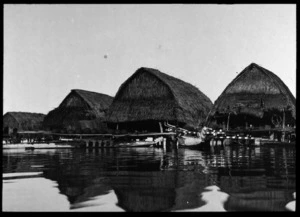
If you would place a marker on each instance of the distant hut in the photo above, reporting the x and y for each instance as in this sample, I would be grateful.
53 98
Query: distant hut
80 112
149 98
256 98
22 121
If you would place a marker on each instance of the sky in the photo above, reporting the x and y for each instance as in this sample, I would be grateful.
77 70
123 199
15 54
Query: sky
51 49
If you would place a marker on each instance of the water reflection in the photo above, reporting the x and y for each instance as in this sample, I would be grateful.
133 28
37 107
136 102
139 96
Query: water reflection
151 179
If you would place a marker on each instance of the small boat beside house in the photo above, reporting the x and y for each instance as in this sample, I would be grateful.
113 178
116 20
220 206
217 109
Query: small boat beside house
195 139
189 138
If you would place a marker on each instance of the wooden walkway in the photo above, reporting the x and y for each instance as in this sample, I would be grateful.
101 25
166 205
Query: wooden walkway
94 140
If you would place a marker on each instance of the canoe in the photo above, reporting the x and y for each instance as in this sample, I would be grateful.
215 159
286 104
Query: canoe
135 144
189 140
195 140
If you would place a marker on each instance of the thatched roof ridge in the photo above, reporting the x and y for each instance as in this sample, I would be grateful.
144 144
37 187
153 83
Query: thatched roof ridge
253 81
189 98
22 117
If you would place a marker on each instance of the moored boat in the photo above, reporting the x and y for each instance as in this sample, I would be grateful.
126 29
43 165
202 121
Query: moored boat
195 139
189 140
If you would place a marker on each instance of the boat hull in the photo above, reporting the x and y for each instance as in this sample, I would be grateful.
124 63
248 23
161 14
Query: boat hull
135 144
189 141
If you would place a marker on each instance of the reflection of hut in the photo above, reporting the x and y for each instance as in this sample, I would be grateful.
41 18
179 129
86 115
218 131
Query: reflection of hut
256 98
149 97
81 111
22 121
258 201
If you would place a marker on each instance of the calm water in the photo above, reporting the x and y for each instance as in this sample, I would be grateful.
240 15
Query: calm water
149 179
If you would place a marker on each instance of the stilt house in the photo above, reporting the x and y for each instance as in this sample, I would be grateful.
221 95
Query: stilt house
80 112
255 99
150 98
22 121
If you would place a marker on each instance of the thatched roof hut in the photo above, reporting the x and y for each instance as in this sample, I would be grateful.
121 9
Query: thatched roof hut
256 96
81 110
22 121
150 96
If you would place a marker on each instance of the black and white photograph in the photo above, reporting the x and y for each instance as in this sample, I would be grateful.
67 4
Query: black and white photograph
149 108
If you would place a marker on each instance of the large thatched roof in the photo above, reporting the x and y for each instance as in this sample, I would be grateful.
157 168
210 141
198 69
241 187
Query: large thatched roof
254 91
98 102
78 105
23 120
152 95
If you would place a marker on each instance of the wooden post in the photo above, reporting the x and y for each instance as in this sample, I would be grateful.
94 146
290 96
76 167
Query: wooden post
228 121
164 143
283 120
117 127
283 126
160 127
223 125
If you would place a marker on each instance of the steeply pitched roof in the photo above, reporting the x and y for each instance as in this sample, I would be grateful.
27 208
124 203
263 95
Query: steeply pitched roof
97 105
97 101
189 99
25 120
22 117
254 87
186 94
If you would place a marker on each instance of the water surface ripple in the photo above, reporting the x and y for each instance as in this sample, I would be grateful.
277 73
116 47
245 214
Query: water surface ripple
149 179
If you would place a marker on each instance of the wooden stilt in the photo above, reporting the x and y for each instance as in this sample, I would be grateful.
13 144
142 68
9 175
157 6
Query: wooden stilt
283 120
160 127
228 121
283 126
